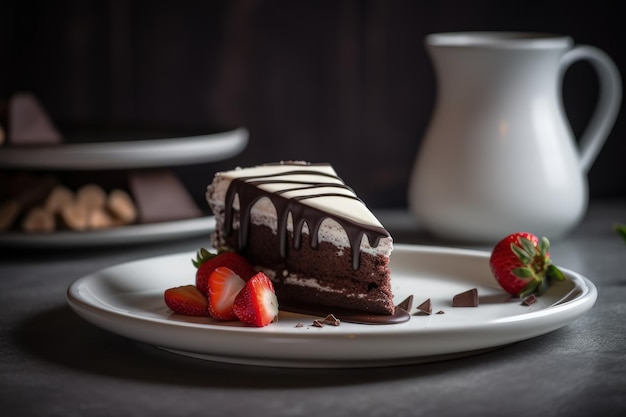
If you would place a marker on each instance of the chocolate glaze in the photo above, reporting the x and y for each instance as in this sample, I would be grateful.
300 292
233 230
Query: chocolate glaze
246 188
349 316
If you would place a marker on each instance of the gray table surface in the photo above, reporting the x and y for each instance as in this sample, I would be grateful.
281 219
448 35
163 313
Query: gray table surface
53 363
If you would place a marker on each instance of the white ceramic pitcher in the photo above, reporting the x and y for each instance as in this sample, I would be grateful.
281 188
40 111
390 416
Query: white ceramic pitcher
499 155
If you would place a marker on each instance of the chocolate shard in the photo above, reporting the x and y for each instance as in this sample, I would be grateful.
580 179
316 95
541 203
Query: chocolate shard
29 124
317 323
160 196
331 320
407 304
467 298
531 299
425 307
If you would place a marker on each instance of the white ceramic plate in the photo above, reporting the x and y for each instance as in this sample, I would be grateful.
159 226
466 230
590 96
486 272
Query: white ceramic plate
128 300
127 154
139 233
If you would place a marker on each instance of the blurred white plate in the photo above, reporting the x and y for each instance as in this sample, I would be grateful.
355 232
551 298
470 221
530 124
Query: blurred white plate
139 233
127 154
128 300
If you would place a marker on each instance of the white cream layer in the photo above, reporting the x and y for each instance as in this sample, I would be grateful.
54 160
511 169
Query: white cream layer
264 212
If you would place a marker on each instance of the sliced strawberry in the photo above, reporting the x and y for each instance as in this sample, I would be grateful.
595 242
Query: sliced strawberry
186 300
223 286
256 303
206 263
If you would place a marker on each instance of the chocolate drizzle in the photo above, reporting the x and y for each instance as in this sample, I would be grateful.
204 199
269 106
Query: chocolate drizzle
246 188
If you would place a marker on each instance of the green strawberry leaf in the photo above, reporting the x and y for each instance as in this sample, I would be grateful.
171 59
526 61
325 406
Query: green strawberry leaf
621 230
524 257
554 273
544 246
522 272
530 288
202 256
543 287
528 246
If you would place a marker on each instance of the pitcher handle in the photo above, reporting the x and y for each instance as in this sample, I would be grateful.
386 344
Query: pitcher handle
609 100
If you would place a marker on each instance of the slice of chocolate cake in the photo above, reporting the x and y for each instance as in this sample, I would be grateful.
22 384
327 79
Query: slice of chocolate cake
308 231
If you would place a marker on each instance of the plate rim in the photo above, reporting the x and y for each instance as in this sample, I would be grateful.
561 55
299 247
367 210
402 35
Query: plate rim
130 234
131 154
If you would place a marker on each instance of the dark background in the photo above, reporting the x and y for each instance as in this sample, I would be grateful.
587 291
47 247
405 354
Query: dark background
346 82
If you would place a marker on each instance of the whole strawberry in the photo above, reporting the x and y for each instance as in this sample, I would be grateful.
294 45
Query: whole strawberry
521 264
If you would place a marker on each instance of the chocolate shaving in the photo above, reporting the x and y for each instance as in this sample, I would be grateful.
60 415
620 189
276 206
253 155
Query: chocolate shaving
407 304
531 299
317 323
28 122
425 307
440 312
467 298
331 320
154 190
299 325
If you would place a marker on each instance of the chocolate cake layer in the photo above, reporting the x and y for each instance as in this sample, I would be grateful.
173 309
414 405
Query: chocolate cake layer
320 275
